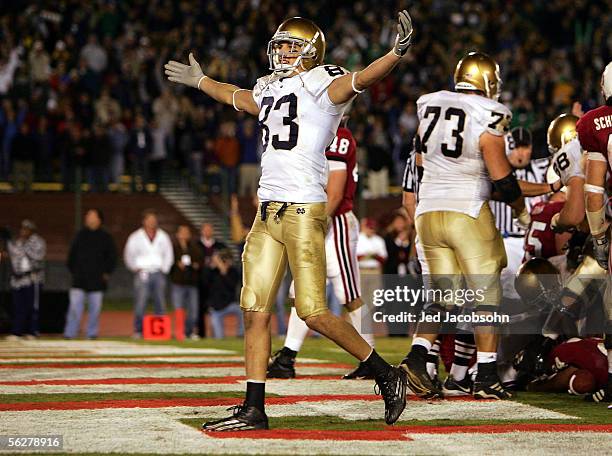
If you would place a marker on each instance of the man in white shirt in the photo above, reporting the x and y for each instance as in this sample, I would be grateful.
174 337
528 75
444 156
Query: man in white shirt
371 254
148 254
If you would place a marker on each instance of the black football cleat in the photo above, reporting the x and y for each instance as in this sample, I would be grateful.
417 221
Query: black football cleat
282 364
361 372
419 381
244 418
489 387
392 387
454 387
602 395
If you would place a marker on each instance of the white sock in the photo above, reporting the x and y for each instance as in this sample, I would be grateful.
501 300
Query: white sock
432 359
296 331
486 357
355 317
463 354
610 361
422 342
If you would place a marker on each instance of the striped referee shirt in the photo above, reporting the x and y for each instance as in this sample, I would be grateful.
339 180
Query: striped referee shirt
410 182
534 172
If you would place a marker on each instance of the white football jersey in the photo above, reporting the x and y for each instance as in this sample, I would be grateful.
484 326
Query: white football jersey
298 122
450 125
567 161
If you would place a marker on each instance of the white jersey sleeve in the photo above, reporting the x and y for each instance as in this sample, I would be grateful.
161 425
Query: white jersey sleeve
567 161
260 86
317 81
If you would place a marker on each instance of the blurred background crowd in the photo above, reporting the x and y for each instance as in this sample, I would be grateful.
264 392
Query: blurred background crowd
82 89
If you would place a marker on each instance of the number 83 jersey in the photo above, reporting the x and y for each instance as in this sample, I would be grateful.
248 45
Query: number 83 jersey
455 177
298 122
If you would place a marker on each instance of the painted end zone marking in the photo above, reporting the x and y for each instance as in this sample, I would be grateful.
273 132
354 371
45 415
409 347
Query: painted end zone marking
505 428
310 434
188 402
153 380
168 365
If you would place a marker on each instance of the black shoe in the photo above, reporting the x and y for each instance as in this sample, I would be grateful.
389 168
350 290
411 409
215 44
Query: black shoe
361 372
244 418
282 364
454 387
489 387
436 382
392 387
419 381
602 395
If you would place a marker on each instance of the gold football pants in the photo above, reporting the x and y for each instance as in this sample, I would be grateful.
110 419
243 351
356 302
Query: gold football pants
294 235
459 247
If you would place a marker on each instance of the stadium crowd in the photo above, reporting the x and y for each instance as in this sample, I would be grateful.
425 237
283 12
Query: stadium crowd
81 83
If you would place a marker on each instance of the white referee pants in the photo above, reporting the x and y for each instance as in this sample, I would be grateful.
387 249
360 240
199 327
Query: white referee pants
514 252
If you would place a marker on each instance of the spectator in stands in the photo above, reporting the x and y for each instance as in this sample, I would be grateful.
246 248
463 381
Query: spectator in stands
98 157
118 137
139 149
9 125
184 278
23 152
222 297
91 260
379 161
149 255
7 70
248 136
94 55
39 62
26 254
106 108
227 150
208 246
159 153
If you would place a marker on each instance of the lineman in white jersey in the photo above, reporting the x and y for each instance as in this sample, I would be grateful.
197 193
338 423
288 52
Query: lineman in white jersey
299 106
461 142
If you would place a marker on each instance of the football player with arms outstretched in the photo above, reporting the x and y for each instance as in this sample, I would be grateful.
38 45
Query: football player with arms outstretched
341 253
299 105
462 148
595 135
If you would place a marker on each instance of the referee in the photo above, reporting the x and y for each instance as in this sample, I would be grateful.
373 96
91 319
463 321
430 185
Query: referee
518 149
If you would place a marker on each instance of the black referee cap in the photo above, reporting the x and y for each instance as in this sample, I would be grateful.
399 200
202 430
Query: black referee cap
521 136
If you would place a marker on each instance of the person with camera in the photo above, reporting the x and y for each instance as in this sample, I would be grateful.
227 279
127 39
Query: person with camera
223 283
26 255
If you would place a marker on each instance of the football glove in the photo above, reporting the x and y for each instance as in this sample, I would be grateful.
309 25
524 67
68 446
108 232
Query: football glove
601 251
523 219
189 75
404 34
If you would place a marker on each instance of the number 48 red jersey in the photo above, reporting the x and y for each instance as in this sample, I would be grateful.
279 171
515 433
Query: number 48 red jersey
342 154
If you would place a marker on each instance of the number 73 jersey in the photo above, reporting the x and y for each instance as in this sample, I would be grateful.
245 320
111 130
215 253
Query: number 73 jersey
455 177
298 122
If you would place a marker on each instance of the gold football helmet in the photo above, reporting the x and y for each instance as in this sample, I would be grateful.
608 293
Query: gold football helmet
478 72
561 131
537 282
307 44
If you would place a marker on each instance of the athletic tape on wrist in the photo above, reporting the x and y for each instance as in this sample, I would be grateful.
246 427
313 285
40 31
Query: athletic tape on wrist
200 80
353 84
597 221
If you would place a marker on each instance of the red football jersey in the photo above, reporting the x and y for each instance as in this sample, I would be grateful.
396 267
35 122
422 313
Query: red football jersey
344 149
595 131
540 238
583 354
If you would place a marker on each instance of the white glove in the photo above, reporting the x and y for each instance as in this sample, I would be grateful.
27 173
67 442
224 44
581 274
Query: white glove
404 34
523 219
190 75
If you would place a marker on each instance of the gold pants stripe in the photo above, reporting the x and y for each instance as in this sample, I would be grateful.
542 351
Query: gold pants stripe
296 238
459 247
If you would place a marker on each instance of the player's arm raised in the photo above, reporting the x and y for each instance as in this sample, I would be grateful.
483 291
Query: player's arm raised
537 189
344 88
192 75
494 154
